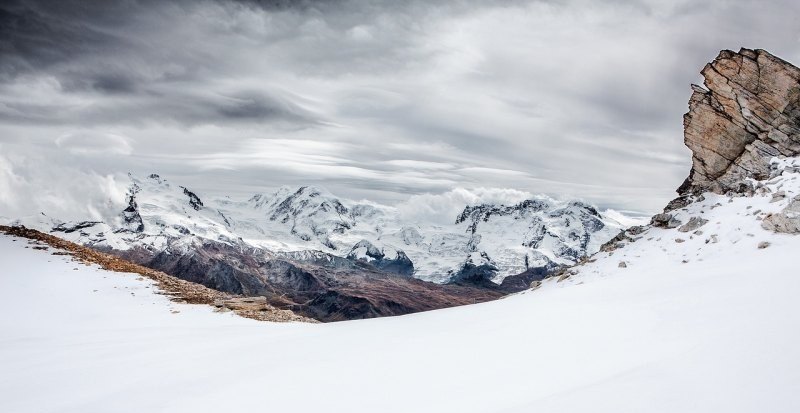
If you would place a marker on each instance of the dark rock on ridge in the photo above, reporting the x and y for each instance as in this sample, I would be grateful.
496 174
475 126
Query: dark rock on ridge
476 274
523 281
194 200
132 221
66 228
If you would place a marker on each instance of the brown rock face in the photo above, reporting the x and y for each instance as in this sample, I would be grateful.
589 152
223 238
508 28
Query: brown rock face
749 113
325 289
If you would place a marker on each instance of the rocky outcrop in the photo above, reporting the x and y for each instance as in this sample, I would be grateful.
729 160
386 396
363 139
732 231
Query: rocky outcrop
787 221
70 228
477 271
527 279
397 263
131 220
748 112
194 200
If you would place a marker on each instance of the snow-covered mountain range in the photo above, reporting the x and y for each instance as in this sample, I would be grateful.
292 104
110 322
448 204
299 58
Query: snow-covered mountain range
706 324
486 241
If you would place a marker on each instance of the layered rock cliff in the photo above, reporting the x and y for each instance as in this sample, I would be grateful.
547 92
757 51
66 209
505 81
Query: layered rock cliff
743 129
748 113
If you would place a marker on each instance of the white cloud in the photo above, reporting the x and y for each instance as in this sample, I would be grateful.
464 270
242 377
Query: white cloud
443 208
10 187
29 188
94 143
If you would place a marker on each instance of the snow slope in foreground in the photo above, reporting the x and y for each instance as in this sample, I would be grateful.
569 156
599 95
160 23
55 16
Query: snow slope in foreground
716 334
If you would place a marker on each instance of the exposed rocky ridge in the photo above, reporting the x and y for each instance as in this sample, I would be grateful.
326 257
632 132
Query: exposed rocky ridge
748 112
321 286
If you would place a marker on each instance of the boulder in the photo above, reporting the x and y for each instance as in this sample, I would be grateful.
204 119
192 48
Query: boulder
787 221
693 224
664 220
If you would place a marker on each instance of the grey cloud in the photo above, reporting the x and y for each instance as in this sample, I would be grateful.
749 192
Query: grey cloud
103 51
572 97
163 106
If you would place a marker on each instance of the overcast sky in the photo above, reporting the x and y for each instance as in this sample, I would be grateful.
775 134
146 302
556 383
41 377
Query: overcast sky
379 100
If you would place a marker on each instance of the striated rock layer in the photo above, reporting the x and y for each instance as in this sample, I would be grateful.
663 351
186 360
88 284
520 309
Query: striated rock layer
748 113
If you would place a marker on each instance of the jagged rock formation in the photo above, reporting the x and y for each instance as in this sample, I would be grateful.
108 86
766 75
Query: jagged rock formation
743 129
748 113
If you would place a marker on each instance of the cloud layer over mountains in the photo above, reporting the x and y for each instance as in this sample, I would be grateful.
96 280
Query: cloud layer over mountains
372 99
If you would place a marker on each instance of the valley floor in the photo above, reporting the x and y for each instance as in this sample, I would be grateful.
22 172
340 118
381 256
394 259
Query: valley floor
718 333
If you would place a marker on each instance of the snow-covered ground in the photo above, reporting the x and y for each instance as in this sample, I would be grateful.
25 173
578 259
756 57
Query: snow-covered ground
690 326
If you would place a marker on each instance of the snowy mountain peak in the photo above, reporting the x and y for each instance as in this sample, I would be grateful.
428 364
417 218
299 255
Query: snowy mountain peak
309 213
484 212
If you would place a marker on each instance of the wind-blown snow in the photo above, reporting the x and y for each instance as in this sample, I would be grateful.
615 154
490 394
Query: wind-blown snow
686 327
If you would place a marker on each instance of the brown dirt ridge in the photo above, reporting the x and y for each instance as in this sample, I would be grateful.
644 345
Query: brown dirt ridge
176 289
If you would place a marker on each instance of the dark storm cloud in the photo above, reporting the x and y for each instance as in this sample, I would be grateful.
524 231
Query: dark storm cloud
101 49
37 34
102 82
371 98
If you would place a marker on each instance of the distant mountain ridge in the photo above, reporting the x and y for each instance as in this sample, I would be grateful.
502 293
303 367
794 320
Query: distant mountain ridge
507 239
331 259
